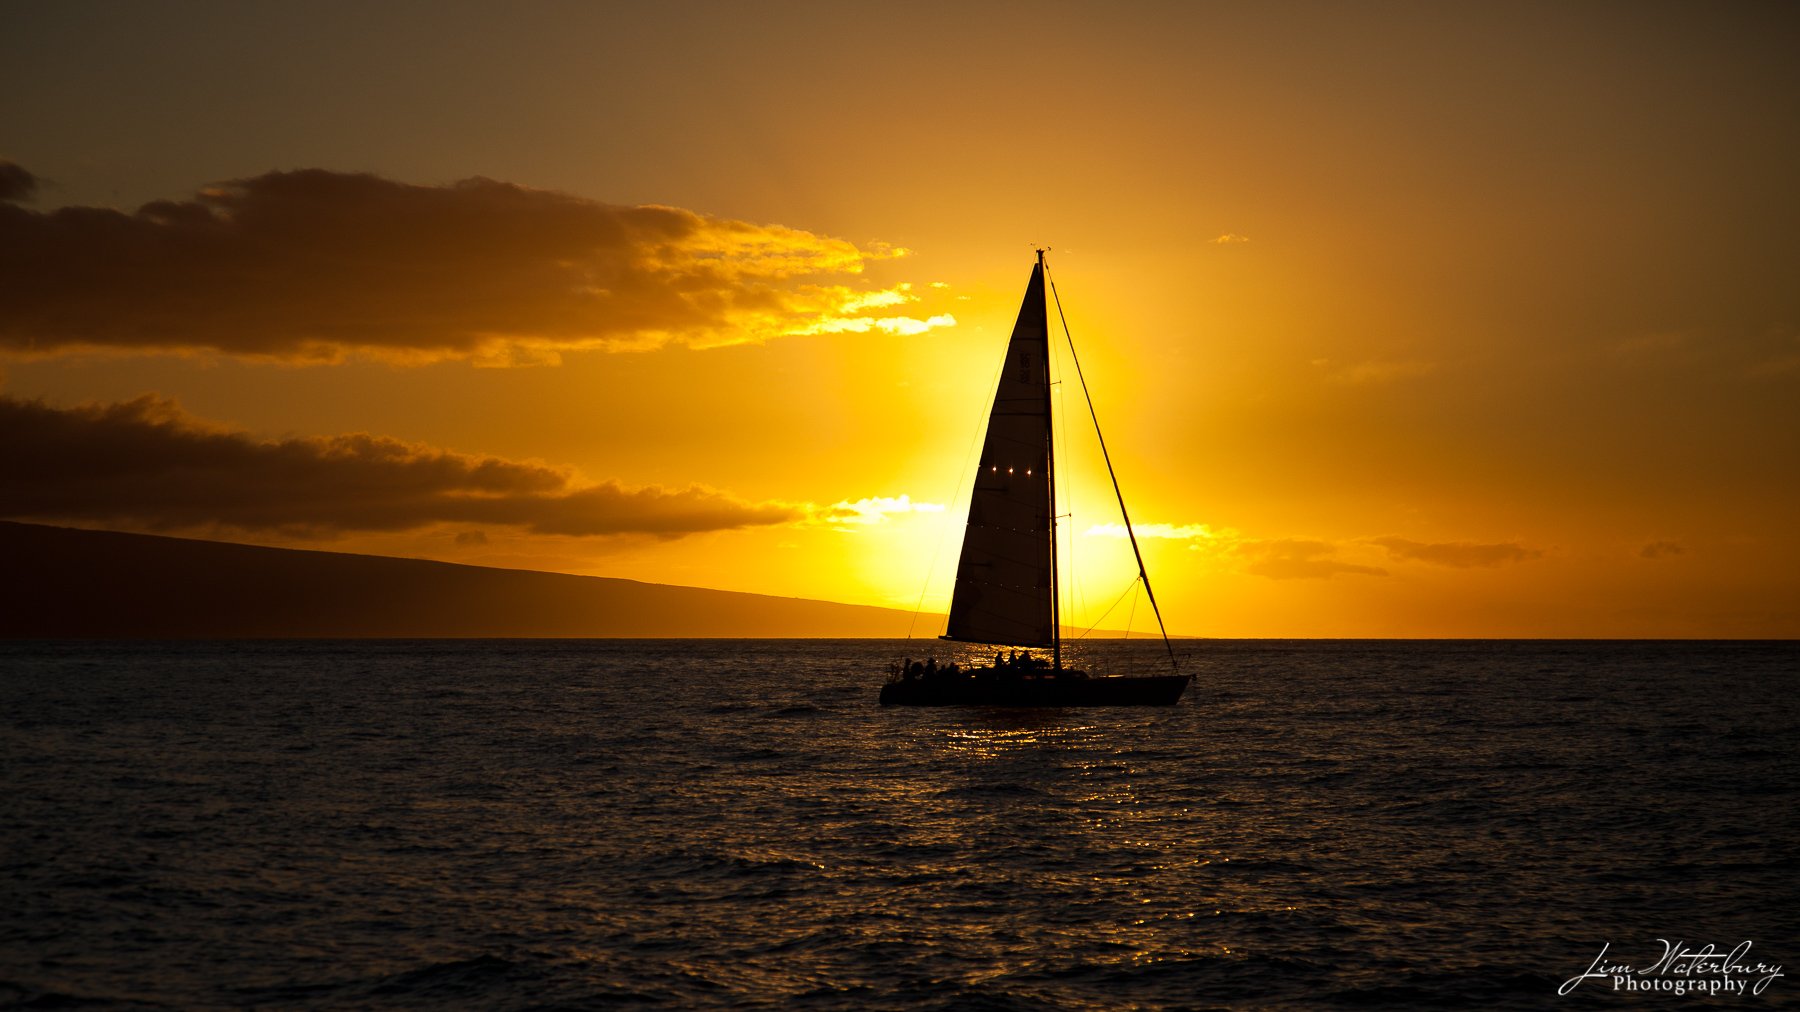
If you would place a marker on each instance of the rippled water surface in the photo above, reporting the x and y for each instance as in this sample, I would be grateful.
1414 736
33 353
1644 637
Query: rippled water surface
516 825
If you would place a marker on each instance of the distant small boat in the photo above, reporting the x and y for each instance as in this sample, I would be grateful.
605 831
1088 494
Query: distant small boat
1006 581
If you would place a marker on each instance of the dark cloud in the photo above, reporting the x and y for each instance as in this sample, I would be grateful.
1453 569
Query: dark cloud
147 463
1456 554
1299 559
1662 550
16 184
312 264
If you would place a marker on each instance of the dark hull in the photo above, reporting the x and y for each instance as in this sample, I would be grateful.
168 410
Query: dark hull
1162 690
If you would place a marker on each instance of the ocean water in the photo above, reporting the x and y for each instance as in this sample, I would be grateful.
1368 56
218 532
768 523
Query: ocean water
538 825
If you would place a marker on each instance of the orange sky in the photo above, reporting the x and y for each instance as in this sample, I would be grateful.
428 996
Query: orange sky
1404 320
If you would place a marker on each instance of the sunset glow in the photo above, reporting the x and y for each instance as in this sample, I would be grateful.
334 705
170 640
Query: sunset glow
1410 322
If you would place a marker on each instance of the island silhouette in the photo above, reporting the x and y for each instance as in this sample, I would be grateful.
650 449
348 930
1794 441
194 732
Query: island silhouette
67 582
71 582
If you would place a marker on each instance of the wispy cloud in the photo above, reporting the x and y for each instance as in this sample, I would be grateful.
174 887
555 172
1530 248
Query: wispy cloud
872 510
1662 550
1369 373
1786 364
1456 554
1275 558
1294 558
16 184
861 325
1299 559
1230 238
314 265
1186 532
148 463
1779 364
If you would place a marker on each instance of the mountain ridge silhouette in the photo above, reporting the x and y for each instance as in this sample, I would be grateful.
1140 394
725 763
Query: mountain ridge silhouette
71 582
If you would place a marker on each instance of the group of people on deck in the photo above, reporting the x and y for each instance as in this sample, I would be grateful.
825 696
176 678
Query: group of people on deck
1007 664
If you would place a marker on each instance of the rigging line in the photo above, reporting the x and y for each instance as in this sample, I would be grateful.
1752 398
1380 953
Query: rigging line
1129 588
1142 572
944 529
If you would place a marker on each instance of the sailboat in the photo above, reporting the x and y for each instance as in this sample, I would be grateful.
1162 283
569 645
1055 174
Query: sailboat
1006 579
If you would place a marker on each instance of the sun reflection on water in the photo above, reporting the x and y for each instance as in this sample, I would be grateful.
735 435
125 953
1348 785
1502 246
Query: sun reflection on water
997 731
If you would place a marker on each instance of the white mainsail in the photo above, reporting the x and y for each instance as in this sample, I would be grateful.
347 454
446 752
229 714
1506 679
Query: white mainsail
1005 582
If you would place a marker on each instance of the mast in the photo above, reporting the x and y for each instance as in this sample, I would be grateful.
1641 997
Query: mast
1050 474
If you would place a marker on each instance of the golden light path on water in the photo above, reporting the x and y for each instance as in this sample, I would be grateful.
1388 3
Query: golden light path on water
994 735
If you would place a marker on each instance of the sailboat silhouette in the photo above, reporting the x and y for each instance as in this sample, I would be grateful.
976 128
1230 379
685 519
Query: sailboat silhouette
1006 579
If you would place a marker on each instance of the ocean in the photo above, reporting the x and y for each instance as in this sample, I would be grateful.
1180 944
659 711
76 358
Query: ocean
709 824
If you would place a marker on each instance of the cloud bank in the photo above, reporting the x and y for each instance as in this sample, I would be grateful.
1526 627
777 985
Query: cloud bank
314 265
148 463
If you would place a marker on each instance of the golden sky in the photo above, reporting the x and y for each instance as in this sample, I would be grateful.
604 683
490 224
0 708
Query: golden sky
1402 319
